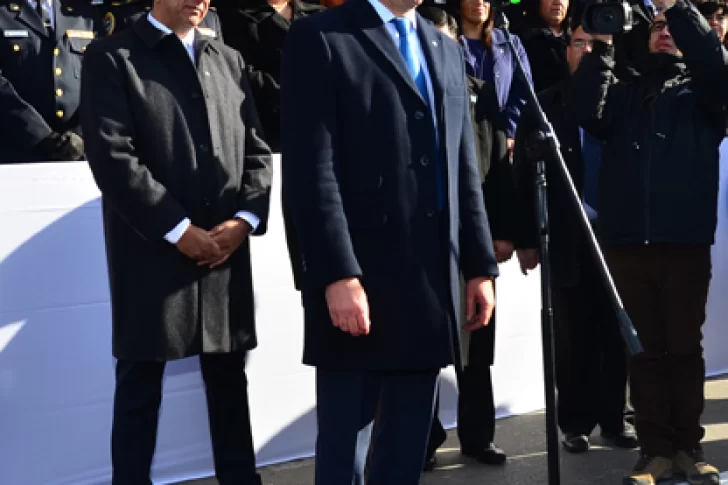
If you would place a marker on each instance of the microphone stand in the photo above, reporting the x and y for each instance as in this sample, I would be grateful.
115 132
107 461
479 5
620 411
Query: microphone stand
549 144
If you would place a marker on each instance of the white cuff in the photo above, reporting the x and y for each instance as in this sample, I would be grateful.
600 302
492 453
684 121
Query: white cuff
176 234
248 217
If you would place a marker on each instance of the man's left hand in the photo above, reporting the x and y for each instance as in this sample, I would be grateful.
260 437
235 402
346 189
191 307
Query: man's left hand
229 236
480 303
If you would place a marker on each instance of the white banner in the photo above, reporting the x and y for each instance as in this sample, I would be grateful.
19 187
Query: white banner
56 368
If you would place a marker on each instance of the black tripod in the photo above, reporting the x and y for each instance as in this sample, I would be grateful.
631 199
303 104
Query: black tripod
548 144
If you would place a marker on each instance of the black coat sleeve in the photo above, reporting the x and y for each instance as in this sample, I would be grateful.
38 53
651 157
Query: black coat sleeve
477 258
20 123
308 128
596 101
141 200
258 166
498 187
526 234
703 54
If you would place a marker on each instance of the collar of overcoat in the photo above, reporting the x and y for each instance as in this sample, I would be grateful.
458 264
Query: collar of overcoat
364 15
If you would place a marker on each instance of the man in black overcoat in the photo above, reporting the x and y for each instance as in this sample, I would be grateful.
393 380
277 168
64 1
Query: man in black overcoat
379 163
173 142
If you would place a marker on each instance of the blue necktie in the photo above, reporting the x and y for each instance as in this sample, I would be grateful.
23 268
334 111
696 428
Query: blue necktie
591 153
407 49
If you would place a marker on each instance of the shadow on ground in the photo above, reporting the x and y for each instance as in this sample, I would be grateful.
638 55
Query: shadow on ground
523 438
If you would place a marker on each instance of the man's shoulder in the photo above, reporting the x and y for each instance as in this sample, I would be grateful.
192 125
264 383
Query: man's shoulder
121 41
327 20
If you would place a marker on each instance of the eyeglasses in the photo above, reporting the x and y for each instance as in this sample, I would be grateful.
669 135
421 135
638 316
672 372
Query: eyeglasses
658 26
582 43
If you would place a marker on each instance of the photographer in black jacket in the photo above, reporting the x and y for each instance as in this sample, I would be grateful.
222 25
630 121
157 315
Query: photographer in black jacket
657 218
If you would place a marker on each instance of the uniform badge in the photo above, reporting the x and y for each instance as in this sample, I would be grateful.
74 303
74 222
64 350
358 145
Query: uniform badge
80 34
109 23
207 32
14 7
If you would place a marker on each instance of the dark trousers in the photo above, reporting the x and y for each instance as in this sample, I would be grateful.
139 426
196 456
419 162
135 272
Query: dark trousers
476 403
665 290
476 412
347 402
136 414
591 361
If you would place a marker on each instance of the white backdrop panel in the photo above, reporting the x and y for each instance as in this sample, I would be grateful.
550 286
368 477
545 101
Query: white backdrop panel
56 369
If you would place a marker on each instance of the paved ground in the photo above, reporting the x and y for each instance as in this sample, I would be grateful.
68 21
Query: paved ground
523 438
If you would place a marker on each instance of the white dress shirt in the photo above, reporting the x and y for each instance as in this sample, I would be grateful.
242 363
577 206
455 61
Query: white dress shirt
188 41
47 5
387 16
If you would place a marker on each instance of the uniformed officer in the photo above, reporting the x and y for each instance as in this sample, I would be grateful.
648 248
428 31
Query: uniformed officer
121 14
41 47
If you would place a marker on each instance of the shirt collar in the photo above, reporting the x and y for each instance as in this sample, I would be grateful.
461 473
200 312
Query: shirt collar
386 15
188 40
34 3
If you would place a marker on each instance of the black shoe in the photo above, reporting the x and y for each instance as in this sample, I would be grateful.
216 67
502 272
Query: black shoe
576 443
430 463
434 443
490 455
627 438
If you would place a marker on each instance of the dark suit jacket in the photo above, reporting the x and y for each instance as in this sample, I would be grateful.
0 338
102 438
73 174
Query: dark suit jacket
357 150
168 140
568 242
45 69
494 166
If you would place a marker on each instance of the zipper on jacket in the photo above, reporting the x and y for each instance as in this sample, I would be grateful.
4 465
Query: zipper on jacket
651 129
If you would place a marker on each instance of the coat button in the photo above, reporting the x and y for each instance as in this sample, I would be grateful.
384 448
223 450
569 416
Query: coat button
59 71
59 92
424 161
56 52
419 115
569 149
59 113
16 47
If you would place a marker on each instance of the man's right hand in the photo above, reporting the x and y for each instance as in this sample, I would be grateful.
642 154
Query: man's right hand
348 306
197 244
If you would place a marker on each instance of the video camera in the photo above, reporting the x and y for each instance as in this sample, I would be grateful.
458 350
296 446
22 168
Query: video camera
607 16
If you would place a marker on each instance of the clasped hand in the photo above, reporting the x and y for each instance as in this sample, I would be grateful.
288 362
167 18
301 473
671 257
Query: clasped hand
212 248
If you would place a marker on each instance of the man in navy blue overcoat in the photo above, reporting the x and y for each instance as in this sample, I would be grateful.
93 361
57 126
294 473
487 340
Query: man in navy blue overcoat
384 194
